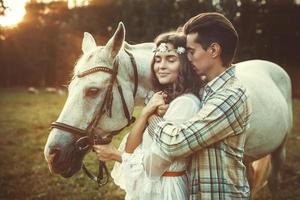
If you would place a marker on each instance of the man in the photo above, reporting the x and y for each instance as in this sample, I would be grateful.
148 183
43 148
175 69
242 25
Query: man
215 137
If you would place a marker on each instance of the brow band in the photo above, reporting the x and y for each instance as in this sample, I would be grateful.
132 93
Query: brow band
95 69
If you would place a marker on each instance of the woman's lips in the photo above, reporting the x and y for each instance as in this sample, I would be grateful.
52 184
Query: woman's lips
163 74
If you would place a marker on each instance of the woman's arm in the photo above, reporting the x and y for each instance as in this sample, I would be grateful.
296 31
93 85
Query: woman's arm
136 134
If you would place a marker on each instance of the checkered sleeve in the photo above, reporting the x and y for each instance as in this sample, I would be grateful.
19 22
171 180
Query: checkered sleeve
153 124
224 114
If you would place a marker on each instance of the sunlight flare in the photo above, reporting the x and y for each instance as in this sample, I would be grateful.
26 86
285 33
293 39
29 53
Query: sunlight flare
15 10
14 13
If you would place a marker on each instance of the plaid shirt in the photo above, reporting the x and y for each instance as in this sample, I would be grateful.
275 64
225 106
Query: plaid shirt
214 138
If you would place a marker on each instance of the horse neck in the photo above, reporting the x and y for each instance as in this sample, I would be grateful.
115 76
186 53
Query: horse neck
143 54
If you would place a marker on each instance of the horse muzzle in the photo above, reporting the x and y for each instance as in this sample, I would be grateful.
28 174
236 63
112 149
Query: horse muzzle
61 154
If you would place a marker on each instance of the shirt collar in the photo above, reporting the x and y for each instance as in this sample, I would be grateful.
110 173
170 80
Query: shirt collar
220 80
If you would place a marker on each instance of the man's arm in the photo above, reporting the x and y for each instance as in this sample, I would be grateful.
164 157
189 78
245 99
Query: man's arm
224 114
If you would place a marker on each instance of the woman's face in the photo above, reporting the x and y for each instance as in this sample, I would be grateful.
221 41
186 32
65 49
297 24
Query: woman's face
166 65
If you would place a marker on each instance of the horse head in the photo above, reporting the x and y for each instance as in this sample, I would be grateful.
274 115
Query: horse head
95 105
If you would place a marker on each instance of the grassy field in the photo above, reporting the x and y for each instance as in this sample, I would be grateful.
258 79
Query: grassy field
24 127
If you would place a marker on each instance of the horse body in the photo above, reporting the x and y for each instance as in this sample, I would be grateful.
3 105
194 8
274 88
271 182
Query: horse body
268 85
269 89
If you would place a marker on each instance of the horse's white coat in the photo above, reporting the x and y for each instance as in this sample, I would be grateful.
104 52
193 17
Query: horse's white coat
269 88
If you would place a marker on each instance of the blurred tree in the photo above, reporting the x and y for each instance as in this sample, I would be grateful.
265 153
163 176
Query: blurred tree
34 46
2 7
43 49
146 19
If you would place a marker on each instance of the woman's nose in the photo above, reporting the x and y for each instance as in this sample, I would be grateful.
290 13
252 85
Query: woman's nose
162 65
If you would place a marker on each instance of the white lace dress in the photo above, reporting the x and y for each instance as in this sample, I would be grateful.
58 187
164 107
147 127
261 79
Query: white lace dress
140 173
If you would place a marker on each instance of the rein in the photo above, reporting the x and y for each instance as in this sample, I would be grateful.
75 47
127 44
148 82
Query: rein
87 137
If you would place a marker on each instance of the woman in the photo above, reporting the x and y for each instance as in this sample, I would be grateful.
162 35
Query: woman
143 173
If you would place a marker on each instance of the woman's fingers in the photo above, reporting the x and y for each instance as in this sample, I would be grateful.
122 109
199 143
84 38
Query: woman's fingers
107 152
103 150
158 99
99 148
103 158
159 96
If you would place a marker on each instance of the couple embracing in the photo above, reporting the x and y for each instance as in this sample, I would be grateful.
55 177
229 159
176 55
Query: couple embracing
188 142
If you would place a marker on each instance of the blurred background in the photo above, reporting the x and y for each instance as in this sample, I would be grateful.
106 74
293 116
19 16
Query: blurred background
40 42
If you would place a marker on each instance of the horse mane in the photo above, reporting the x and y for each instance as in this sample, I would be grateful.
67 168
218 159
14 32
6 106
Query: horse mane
139 46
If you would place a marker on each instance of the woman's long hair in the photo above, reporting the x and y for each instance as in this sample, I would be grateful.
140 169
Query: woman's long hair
187 81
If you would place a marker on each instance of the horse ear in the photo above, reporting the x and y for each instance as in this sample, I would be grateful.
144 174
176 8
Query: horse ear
88 42
116 41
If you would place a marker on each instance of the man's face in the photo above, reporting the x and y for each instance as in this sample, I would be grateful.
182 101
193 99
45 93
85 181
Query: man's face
200 58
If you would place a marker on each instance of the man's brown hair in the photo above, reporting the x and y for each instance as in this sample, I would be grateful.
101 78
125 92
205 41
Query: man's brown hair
214 27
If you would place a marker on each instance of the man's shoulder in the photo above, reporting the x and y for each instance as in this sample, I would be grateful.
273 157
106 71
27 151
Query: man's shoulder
233 83
234 87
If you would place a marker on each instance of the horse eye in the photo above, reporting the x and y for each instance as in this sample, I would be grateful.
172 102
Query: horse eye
92 92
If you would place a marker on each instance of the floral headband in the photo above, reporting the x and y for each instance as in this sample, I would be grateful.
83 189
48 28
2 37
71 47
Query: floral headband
163 47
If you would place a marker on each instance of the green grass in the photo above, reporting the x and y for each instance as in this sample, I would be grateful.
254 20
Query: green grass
24 123
24 128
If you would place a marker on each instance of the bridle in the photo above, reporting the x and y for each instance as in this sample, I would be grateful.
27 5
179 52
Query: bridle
87 137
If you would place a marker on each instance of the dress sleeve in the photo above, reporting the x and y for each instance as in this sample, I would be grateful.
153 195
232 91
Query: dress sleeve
127 175
181 109
117 172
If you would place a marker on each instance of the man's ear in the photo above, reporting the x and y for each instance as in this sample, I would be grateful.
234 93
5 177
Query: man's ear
215 49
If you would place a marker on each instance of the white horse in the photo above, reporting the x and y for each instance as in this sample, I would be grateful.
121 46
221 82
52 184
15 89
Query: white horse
269 87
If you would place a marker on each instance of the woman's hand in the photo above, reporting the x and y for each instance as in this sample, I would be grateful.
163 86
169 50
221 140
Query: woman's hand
156 100
107 152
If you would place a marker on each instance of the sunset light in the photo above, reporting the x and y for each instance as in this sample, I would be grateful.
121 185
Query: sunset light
14 12
71 3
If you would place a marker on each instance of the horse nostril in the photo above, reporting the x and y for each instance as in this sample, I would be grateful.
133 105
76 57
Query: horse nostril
53 155
52 158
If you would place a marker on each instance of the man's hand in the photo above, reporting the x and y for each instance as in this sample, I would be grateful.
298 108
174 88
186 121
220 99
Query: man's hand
107 152
162 109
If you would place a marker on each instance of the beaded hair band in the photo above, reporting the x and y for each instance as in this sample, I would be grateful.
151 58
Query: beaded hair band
163 47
